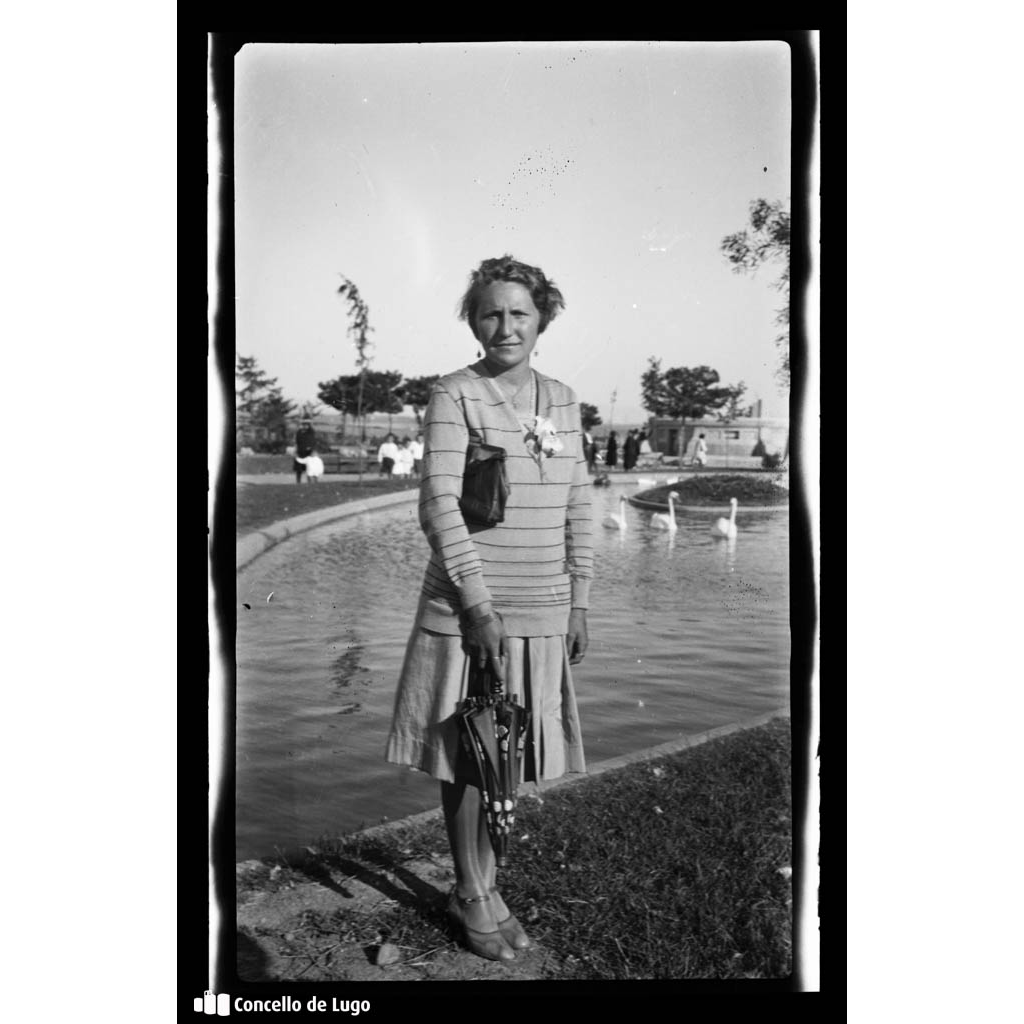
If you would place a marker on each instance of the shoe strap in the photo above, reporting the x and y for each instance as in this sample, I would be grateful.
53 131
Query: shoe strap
467 900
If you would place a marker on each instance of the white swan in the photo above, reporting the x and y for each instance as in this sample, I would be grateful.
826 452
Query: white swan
726 527
617 522
667 521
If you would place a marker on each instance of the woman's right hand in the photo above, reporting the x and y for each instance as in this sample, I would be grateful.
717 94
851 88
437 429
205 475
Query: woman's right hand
486 641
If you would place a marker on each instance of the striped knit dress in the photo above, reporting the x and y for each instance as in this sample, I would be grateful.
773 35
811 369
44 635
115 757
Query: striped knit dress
534 567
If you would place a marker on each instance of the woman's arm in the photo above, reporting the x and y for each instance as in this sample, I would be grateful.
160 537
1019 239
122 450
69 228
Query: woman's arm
445 439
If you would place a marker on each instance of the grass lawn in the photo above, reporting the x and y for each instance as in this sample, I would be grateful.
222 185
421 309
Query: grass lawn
259 505
675 868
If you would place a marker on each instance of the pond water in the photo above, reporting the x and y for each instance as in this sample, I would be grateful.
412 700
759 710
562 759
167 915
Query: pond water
687 632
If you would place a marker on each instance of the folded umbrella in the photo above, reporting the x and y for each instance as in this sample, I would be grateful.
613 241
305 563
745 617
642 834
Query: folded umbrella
494 730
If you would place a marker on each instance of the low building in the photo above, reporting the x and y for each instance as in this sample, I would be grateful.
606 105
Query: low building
745 435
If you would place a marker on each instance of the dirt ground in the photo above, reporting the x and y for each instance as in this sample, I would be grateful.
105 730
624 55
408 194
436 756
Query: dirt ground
292 927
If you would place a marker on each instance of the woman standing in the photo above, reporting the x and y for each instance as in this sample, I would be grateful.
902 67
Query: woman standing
700 454
630 451
611 457
305 446
387 453
511 597
404 460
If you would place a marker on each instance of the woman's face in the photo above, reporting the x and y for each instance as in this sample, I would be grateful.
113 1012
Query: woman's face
506 324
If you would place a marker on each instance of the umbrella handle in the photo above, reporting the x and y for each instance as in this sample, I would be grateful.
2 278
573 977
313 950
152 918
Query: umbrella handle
483 681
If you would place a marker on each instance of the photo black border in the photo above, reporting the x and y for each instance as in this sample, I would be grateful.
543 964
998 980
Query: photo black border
194 905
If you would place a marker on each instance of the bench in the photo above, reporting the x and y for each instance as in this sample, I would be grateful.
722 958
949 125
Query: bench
347 462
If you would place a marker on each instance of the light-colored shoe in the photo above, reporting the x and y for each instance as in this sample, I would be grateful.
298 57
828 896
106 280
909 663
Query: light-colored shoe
489 945
512 930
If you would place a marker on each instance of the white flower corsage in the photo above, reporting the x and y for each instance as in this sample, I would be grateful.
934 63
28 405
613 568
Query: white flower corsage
542 440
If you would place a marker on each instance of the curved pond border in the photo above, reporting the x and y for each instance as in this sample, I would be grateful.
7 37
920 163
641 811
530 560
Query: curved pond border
639 756
252 545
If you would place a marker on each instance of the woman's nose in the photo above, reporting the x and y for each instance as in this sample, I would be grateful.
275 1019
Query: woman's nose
505 326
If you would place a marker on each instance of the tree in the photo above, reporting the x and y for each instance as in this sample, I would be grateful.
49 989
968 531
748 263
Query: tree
766 241
340 394
733 410
359 328
682 393
415 391
588 415
256 385
381 392
274 414
261 406
652 389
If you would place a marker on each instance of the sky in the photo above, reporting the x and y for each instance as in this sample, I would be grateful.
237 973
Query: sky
615 167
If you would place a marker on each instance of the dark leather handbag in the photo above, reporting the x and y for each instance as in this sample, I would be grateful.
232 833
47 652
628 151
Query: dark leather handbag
485 485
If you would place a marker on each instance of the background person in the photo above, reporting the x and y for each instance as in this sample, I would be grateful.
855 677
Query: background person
314 467
589 450
700 452
611 457
386 455
511 597
404 459
630 451
417 455
305 445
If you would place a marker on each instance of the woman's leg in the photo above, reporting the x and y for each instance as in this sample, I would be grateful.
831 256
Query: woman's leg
464 819
485 856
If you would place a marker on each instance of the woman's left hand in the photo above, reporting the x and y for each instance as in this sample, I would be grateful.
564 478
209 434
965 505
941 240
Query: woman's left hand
576 638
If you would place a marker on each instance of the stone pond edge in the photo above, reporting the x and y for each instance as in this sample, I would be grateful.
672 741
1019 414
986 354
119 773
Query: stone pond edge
252 545
611 764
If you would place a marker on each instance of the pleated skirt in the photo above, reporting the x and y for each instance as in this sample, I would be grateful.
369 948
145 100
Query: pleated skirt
434 681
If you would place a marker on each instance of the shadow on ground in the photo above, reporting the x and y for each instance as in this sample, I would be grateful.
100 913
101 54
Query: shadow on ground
342 919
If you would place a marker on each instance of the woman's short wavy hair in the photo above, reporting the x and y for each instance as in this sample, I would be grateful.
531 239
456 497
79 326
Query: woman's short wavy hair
546 296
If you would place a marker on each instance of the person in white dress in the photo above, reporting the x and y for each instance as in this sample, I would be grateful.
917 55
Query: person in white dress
417 455
700 452
404 459
386 455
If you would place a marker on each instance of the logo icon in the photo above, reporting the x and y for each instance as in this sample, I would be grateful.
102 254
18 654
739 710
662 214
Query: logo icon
210 1003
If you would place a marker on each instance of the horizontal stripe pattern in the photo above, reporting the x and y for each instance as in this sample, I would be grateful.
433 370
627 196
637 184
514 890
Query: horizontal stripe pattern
539 561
